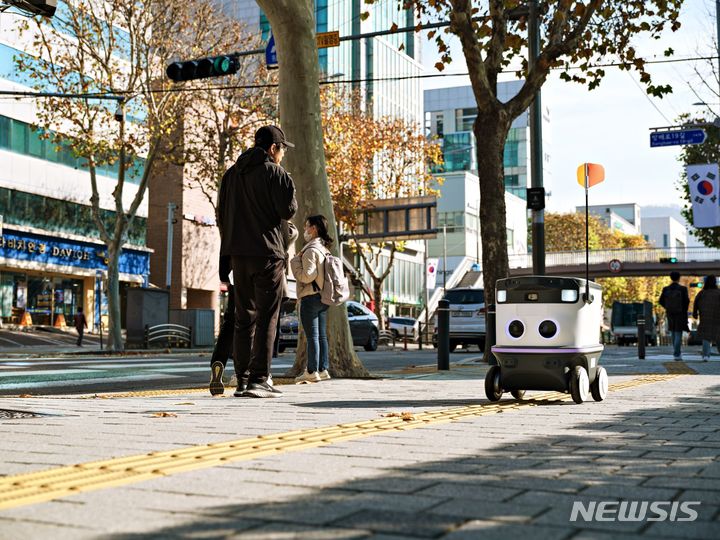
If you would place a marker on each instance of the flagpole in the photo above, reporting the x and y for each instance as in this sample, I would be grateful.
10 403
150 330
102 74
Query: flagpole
587 239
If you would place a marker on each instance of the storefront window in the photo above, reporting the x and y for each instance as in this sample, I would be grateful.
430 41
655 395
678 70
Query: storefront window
43 297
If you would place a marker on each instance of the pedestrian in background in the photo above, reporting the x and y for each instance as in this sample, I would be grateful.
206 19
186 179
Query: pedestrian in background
256 194
307 267
676 300
80 325
707 306
224 343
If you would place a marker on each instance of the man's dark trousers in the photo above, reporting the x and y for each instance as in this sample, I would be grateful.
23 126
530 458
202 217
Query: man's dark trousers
258 294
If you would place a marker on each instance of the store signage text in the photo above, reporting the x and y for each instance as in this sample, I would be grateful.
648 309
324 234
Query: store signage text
41 248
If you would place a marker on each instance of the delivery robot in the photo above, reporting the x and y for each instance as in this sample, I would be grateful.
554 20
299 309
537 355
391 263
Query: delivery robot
547 338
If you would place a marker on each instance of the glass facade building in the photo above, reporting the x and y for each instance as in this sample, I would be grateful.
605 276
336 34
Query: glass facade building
449 116
52 260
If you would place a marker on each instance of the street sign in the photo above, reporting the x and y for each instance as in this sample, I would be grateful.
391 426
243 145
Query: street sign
271 54
590 174
328 39
536 198
615 266
677 138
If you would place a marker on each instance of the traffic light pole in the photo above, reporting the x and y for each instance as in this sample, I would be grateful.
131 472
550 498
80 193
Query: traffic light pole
536 149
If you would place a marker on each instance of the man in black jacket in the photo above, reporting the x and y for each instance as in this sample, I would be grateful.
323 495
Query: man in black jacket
675 299
256 194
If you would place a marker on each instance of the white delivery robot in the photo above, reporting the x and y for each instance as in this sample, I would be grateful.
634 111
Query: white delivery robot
547 338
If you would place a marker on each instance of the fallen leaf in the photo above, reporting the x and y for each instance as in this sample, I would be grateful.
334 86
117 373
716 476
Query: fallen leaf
405 416
25 395
165 415
186 403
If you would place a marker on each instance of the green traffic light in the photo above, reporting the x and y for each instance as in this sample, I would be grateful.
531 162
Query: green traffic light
222 65
202 68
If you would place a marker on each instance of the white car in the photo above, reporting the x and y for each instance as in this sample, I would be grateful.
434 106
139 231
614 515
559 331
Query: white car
402 326
467 318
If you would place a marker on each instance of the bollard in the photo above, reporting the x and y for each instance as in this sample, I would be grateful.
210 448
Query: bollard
420 336
443 318
405 338
641 336
490 334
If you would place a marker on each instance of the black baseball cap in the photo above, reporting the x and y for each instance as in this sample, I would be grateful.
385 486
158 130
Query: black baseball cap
267 135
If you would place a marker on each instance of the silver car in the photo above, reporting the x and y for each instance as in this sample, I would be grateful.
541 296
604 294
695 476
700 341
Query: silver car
467 318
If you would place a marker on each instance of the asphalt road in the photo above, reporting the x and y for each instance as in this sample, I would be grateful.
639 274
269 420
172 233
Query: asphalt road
73 374
17 340
90 374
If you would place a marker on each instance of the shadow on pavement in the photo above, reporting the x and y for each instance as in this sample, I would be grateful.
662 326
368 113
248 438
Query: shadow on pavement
526 487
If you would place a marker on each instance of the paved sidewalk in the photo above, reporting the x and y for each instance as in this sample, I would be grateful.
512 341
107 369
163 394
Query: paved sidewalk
468 469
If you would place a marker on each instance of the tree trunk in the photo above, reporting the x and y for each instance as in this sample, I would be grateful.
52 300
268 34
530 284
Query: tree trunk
377 296
293 25
115 341
491 129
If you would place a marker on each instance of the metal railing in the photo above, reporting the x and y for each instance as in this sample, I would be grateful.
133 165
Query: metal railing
625 255
168 335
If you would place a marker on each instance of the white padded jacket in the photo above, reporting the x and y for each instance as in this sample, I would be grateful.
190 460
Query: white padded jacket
307 267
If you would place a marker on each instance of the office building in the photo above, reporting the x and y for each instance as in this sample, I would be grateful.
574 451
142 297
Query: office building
449 116
52 260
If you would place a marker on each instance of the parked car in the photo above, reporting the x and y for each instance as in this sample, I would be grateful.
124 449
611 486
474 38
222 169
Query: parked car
364 327
401 326
467 317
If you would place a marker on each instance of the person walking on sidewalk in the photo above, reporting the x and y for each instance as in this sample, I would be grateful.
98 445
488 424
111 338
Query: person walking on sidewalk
256 194
307 267
707 306
80 325
675 299
224 344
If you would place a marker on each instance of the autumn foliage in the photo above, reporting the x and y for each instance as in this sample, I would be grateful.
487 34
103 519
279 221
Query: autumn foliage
566 232
371 158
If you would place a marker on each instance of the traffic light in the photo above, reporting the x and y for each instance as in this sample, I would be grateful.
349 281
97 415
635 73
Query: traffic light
697 284
46 8
214 66
668 260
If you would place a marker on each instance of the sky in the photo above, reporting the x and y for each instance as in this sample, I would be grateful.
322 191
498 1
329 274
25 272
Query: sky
611 124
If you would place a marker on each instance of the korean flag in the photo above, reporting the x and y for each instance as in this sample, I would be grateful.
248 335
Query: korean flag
704 181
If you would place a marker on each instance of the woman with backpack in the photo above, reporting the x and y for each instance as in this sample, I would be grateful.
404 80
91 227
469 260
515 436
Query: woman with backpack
707 305
308 269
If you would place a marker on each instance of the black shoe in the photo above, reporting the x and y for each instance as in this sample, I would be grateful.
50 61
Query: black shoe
240 390
262 390
216 372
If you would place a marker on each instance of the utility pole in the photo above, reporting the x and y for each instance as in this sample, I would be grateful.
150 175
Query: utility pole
717 23
536 150
444 258
168 255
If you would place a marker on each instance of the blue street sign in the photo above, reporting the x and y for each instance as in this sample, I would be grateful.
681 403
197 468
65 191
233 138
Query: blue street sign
677 138
271 53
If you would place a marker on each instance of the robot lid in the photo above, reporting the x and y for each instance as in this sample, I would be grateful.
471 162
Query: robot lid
542 290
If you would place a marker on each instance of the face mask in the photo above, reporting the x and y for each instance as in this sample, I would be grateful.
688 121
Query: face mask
307 236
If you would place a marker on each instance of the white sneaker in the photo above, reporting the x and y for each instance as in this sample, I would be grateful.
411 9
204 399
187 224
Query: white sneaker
324 375
269 380
307 378
706 359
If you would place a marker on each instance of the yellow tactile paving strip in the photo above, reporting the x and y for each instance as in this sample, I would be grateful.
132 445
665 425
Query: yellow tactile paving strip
31 488
679 368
